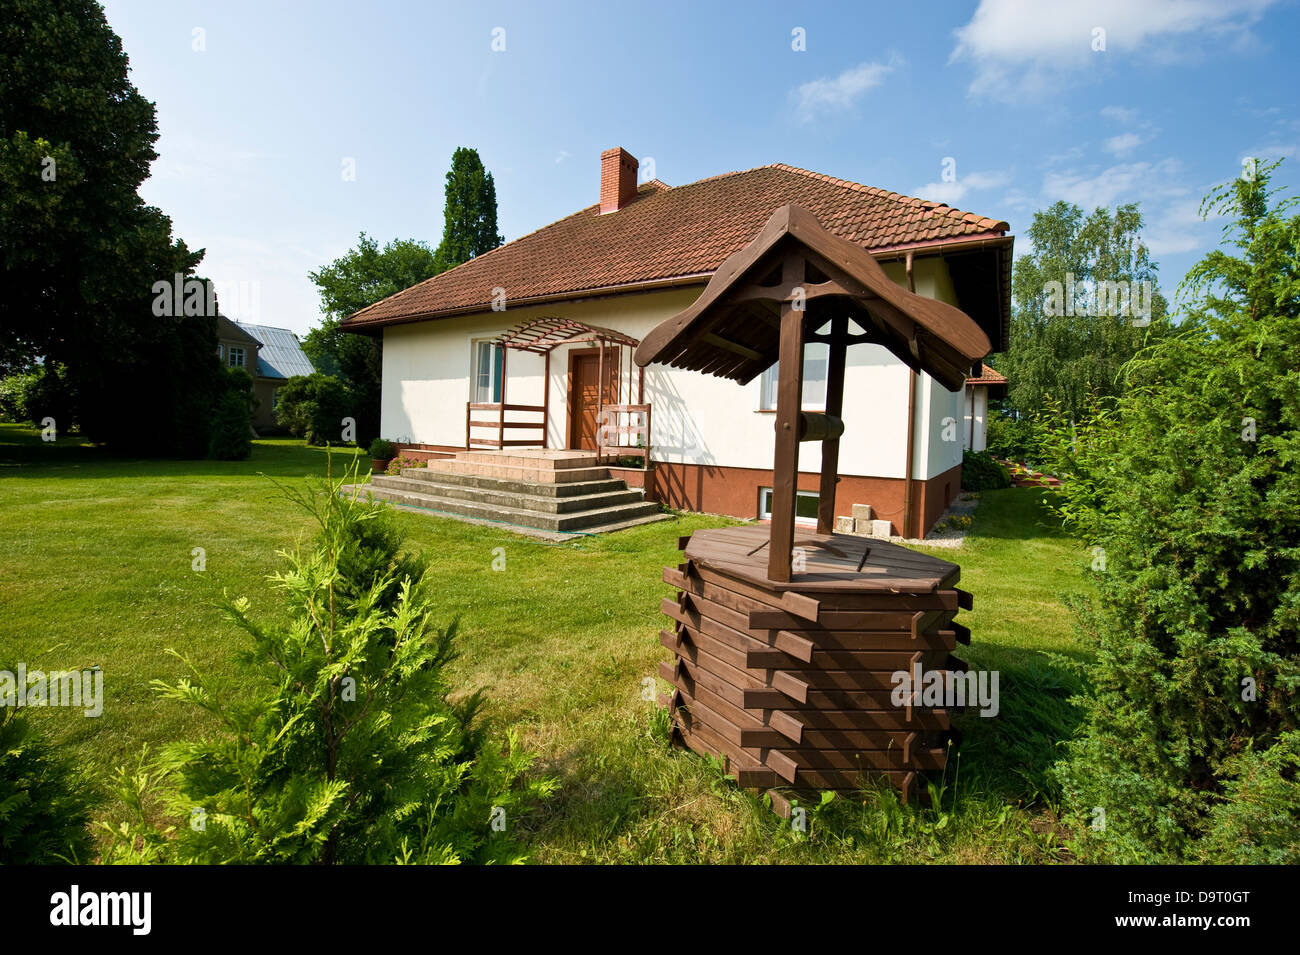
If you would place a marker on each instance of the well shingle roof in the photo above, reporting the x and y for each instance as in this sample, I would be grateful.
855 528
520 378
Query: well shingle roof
672 233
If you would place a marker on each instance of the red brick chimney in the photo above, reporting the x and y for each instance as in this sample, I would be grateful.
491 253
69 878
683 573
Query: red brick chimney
617 179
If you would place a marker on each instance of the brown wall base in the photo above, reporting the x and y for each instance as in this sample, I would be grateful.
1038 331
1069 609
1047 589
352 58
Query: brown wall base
734 491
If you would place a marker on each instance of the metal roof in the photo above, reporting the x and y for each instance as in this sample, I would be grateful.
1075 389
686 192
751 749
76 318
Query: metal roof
281 355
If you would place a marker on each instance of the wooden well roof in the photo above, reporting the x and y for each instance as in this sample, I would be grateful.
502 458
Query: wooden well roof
733 329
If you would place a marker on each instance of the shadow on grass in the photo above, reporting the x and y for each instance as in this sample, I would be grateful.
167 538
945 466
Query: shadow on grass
1013 752
592 804
1001 516
24 455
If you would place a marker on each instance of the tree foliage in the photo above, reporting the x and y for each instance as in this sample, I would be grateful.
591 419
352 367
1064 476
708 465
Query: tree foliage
1187 489
232 419
361 277
45 803
469 212
313 407
79 249
1068 357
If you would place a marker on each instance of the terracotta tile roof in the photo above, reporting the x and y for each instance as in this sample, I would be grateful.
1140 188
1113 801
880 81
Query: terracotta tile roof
673 233
988 376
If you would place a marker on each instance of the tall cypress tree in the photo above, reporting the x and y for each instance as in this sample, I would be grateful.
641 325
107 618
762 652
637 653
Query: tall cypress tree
470 214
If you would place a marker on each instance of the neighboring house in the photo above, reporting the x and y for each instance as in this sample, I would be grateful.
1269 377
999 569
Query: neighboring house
271 355
570 302
988 384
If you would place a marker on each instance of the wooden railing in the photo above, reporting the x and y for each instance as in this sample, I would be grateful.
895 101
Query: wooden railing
495 420
620 422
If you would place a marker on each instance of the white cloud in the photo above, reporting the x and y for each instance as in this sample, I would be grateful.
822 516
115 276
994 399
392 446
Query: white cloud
561 156
1179 228
841 92
1274 150
1123 144
953 192
1120 114
1024 46
1124 182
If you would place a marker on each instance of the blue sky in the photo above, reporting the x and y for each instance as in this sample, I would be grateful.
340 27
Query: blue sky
256 126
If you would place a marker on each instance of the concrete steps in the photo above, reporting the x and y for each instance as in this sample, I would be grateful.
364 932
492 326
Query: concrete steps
551 494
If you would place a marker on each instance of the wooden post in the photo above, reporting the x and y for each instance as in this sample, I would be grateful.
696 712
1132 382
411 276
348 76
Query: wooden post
546 396
911 429
501 412
600 390
785 464
834 408
467 415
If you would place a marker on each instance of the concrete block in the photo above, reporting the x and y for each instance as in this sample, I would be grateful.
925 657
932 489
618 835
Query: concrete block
880 528
862 512
844 525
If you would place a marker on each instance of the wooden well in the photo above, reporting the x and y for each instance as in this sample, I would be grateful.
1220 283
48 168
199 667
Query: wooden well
786 642
793 684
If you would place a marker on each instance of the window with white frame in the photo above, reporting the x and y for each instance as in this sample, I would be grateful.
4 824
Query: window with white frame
816 359
805 506
487 372
236 357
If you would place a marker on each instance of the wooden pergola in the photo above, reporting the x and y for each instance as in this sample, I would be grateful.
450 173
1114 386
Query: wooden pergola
797 283
541 336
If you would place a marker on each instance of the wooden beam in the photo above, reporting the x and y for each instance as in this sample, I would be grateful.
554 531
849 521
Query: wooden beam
715 339
834 408
546 393
785 466
501 432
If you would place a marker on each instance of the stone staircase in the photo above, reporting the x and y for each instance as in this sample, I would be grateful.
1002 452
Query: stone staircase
555 495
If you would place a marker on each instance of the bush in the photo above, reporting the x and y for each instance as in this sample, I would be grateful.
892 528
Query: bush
348 750
44 805
1257 821
51 395
15 390
313 406
1013 439
396 465
979 472
382 450
1186 490
232 419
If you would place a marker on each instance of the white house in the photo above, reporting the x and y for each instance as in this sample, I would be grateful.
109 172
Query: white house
549 321
980 389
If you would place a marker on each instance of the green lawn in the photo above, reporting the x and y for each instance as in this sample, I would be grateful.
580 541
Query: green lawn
95 569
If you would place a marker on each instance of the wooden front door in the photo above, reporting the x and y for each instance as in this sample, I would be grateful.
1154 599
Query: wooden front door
584 371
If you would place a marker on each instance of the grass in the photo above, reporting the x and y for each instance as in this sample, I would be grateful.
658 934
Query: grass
96 569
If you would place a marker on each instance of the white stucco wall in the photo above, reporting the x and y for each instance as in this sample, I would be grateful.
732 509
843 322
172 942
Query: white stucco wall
697 419
975 436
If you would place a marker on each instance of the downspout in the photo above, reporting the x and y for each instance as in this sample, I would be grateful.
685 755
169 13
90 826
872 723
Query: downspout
908 523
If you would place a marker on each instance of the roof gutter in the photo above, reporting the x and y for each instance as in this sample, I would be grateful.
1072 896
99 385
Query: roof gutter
953 245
